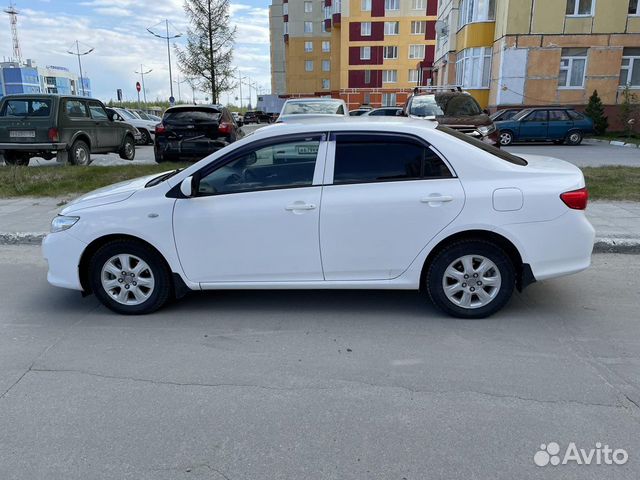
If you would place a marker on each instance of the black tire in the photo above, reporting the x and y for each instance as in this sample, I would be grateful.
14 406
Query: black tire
18 159
128 148
501 294
80 153
505 138
145 138
574 137
159 272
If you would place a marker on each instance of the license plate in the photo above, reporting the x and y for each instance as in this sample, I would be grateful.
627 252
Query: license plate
307 149
22 134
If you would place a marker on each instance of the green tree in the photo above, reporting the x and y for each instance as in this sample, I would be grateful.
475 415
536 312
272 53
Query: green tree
628 110
595 111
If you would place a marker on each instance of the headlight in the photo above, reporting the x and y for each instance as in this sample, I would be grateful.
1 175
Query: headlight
61 223
487 130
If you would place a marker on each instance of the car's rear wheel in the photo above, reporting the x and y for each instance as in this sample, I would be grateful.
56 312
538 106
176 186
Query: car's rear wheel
129 278
574 138
80 154
128 148
506 138
19 159
471 279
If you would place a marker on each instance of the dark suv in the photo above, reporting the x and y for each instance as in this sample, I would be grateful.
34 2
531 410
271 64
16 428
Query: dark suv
67 128
257 116
192 132
452 108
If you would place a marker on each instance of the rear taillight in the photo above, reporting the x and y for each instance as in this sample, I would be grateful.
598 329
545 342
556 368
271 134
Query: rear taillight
160 129
576 199
225 128
54 136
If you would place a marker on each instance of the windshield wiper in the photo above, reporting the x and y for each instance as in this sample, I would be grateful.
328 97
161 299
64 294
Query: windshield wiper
163 177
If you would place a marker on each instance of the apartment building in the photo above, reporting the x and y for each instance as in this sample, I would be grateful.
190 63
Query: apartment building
371 52
539 52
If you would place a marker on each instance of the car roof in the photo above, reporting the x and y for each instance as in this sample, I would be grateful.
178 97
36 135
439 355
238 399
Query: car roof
46 95
187 107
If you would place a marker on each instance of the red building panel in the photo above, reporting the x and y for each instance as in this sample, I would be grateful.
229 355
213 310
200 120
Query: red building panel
432 7
377 32
376 56
377 8
357 79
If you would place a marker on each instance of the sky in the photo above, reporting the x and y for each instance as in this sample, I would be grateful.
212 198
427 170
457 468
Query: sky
116 29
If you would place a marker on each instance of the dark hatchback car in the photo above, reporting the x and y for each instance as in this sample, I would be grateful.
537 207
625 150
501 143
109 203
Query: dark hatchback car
191 132
559 125
67 128
383 112
257 116
455 109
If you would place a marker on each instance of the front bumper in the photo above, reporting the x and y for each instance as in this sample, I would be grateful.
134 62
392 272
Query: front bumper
63 252
33 147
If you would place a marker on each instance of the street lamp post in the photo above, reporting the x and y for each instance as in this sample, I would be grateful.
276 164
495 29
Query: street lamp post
79 54
166 37
142 74
178 82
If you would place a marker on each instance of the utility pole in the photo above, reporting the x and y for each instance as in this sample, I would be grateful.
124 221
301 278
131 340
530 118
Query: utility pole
166 37
240 83
79 54
142 73
178 82
13 19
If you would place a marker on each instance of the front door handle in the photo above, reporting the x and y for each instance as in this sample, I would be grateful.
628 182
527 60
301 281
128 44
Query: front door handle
437 199
299 206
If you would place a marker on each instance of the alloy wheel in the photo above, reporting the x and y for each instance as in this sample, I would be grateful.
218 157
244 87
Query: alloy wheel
127 279
471 281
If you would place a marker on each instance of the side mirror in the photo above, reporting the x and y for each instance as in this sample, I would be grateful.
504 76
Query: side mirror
110 116
186 187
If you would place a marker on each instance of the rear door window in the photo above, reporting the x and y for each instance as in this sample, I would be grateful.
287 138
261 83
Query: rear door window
379 158
75 109
24 107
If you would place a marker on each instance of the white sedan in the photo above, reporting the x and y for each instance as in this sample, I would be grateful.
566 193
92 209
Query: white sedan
388 203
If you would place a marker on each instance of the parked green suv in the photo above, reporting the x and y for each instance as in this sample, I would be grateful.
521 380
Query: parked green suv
67 128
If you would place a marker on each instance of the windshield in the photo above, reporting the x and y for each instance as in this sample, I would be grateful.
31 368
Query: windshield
444 105
126 114
26 107
314 107
188 116
496 152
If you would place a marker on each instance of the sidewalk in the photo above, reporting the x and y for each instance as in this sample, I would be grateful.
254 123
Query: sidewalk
26 221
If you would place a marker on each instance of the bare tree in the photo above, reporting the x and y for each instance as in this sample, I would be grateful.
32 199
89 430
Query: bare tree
206 58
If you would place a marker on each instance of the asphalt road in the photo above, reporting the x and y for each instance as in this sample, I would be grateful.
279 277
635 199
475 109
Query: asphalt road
316 385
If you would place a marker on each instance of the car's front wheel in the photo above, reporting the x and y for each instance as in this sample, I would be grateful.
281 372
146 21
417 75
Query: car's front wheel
16 158
506 138
471 279
129 278
574 138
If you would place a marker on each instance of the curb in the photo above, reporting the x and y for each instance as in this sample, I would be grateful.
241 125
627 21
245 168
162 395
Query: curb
602 245
614 143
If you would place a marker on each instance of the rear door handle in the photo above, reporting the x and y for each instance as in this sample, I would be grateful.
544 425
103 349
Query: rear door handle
300 206
437 198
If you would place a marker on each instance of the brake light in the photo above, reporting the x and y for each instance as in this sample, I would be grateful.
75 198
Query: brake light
576 199
225 128
160 129
53 134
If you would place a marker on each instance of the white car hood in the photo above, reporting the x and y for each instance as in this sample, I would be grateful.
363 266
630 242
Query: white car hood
110 194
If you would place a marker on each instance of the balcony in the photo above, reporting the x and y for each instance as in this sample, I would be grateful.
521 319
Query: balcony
336 18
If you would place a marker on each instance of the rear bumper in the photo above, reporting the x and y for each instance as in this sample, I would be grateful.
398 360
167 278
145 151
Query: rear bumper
33 147
190 148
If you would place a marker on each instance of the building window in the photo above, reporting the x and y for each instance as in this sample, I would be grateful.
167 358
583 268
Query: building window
326 46
365 6
418 4
473 67
389 99
308 7
326 65
476 11
572 67
323 27
285 28
308 47
389 76
416 51
580 8
308 27
365 53
365 29
285 9
308 65
414 75
392 4
418 28
633 8
326 84
391 28
367 77
390 53
630 70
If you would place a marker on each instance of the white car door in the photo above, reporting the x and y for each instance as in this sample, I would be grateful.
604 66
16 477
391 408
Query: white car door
255 218
390 194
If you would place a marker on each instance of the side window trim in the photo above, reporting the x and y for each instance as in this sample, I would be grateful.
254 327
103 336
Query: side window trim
331 157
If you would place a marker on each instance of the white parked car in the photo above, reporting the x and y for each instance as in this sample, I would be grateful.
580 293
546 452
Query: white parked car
296 109
387 203
147 128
